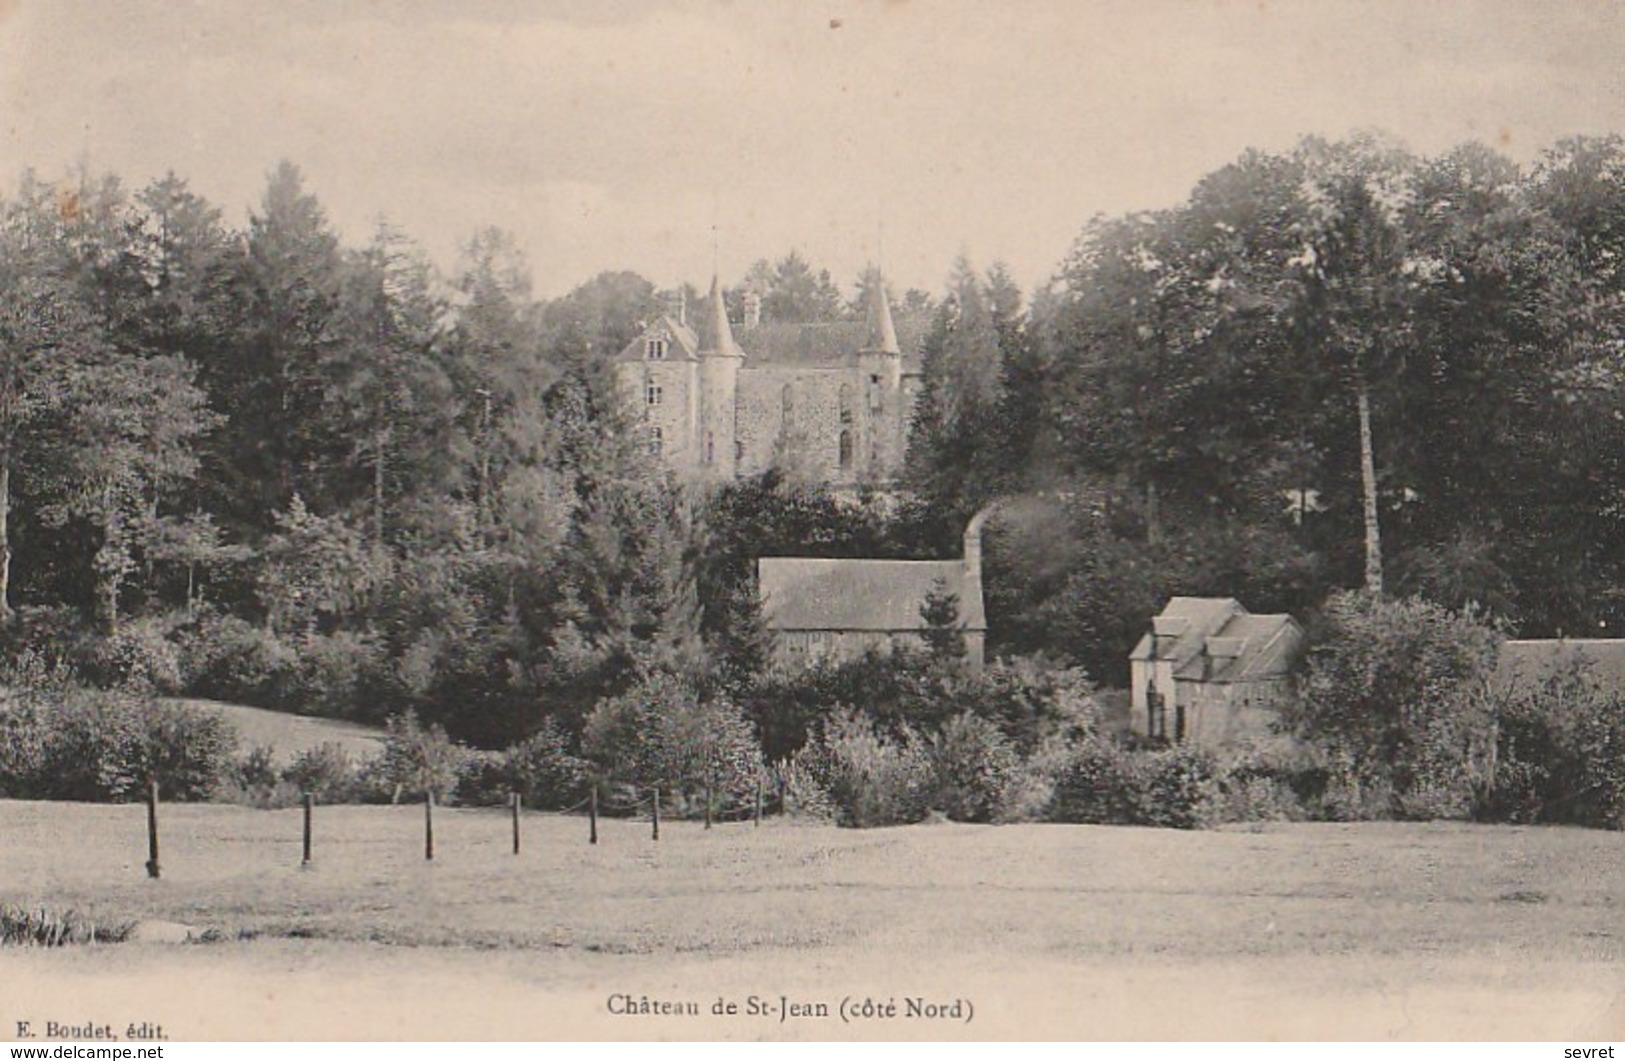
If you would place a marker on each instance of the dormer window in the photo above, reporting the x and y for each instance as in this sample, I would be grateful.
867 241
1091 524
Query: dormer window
654 349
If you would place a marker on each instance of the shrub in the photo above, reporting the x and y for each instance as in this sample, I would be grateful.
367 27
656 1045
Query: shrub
255 781
544 772
972 764
419 759
872 778
1561 752
483 779
328 772
225 658
662 733
1395 690
189 750
139 657
1178 788
329 674
1094 784
50 634
1104 784
95 745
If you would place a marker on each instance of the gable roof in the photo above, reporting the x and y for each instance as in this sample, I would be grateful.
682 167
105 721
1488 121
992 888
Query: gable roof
1266 646
823 344
1202 616
684 337
876 595
1527 664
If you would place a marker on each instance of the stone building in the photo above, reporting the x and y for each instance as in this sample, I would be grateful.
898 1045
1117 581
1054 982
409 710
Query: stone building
1209 673
841 608
831 401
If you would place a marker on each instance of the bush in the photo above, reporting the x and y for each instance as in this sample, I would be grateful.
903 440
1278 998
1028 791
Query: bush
48 634
224 658
330 674
661 733
544 772
1395 692
93 745
1105 784
972 766
327 771
255 781
138 657
419 759
871 778
483 779
1561 752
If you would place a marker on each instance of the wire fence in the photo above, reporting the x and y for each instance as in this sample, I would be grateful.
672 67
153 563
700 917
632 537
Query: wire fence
648 805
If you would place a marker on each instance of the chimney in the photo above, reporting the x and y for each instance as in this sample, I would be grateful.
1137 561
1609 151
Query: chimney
972 583
677 305
753 309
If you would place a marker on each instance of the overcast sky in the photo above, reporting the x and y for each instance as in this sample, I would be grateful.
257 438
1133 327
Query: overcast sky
611 134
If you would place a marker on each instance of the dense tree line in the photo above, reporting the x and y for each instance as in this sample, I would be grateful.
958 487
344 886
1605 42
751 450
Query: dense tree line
1337 366
258 463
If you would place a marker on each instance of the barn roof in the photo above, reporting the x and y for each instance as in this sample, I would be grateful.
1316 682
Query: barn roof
877 595
1525 664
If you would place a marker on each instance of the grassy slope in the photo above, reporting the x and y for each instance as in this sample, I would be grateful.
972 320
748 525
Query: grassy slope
1223 920
288 734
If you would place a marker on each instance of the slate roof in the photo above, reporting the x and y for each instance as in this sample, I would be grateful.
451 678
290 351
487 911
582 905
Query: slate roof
823 345
1529 663
1267 643
876 595
686 340
1203 615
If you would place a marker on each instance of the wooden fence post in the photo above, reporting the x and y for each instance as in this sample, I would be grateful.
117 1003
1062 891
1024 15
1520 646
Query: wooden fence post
758 802
153 869
514 799
428 824
310 803
656 816
592 814
708 801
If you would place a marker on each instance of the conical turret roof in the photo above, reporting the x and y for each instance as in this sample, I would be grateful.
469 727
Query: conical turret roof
882 335
716 337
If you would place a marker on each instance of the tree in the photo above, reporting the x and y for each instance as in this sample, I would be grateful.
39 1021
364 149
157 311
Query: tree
1397 691
798 295
1354 313
944 634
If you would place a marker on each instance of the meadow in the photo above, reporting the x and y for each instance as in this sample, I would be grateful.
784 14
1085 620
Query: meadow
1301 930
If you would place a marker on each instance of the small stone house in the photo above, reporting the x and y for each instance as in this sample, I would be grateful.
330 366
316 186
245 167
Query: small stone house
840 608
1210 673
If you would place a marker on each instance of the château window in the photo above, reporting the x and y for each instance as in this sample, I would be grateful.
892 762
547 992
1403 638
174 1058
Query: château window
787 402
739 451
846 403
846 450
710 448
652 393
657 440
655 349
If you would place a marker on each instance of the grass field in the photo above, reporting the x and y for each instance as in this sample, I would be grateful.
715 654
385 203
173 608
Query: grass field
1317 931
287 735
